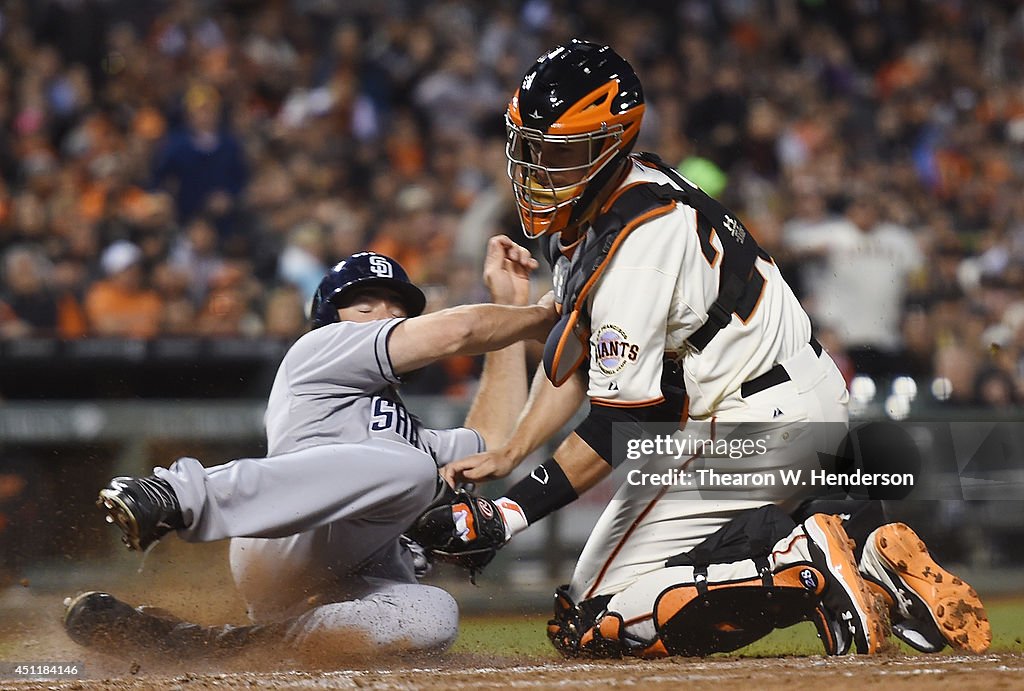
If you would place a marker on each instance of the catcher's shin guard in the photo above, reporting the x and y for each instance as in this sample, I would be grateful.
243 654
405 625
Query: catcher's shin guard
930 607
682 610
101 621
720 617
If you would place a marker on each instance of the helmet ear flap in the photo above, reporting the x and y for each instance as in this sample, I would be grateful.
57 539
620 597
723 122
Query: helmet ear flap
322 312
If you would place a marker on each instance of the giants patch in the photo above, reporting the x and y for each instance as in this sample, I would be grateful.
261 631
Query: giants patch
612 349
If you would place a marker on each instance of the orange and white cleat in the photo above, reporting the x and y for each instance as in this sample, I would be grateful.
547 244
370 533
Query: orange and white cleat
848 615
930 607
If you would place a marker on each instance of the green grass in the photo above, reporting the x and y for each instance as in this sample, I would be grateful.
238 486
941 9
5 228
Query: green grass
512 635
507 635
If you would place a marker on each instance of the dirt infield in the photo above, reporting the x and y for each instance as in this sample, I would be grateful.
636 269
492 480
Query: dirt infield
466 672
43 639
494 653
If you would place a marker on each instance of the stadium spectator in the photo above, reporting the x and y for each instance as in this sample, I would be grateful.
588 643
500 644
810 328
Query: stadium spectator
284 315
346 113
172 283
870 264
229 308
29 304
958 365
204 160
806 235
195 252
121 304
994 388
301 262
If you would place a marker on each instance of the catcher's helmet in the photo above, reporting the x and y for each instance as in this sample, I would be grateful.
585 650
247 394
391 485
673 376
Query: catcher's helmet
362 270
586 99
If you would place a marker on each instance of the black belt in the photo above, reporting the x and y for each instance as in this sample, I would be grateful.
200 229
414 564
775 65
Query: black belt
773 377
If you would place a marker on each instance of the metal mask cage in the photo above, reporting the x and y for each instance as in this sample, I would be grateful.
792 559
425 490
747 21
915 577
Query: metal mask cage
536 193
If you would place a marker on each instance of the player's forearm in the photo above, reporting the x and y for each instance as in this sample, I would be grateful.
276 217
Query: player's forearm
548 409
501 395
583 466
468 330
484 328
557 482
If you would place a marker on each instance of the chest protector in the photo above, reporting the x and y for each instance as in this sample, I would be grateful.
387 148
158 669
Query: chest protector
568 344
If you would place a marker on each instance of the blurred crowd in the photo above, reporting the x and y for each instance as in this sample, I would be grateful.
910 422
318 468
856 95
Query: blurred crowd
191 167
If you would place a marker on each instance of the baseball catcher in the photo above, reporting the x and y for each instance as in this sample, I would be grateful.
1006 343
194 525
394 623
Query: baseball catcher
672 313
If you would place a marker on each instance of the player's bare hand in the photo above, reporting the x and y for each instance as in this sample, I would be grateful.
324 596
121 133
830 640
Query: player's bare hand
544 328
507 269
481 467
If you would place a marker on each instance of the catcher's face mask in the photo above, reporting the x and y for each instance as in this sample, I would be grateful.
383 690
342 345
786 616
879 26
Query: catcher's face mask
550 173
573 120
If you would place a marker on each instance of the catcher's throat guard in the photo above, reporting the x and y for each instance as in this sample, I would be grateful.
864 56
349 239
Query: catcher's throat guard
566 348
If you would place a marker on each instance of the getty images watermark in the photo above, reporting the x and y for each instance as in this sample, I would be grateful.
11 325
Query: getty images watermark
678 448
915 460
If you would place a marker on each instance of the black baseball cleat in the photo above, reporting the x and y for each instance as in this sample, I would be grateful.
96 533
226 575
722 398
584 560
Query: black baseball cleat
144 508
101 621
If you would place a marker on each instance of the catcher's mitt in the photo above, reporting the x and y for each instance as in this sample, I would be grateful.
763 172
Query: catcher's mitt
466 530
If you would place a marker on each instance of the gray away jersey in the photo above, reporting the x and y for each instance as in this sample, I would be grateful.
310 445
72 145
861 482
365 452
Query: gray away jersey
336 385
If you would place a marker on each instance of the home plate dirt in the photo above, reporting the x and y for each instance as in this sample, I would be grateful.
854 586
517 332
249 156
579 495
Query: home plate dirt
1004 671
31 631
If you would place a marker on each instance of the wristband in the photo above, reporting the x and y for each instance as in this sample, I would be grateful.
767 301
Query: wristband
515 519
543 491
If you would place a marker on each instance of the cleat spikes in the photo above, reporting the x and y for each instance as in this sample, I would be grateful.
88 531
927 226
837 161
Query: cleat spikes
933 608
847 604
145 509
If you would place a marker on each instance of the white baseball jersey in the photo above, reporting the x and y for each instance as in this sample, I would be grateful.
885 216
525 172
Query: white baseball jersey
656 292
868 268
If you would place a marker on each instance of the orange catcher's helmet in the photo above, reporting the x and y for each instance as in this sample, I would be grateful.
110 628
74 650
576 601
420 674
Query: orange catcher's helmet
571 124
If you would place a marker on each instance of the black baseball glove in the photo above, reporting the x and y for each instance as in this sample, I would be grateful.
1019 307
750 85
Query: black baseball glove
461 528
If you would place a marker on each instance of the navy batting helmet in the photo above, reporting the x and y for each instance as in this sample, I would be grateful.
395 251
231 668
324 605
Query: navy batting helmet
363 270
